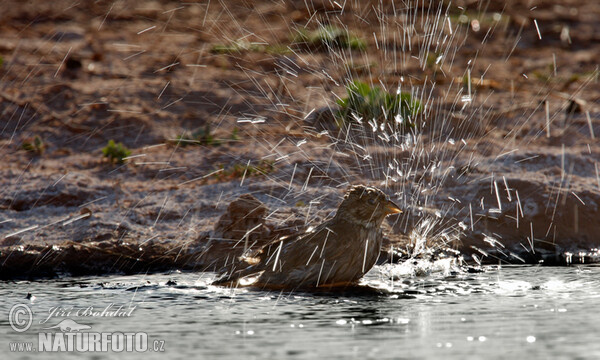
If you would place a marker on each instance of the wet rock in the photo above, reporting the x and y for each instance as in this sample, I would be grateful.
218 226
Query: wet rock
535 222
240 228
90 258
9 241
243 216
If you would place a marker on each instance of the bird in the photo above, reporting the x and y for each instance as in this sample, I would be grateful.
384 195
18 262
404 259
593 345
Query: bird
334 254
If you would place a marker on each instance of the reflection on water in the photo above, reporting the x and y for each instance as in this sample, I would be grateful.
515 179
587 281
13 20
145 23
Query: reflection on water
523 312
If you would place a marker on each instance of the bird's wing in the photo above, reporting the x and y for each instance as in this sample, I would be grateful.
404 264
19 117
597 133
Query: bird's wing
309 259
290 252
333 255
293 251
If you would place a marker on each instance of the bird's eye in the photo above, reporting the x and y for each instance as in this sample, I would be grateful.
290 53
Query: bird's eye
371 201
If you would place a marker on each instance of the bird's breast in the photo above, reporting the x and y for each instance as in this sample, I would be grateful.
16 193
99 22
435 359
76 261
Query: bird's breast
375 238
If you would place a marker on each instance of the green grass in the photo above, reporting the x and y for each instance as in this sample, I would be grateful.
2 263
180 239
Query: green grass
115 152
240 46
235 134
547 74
34 146
235 47
372 102
542 75
202 136
321 38
329 36
432 59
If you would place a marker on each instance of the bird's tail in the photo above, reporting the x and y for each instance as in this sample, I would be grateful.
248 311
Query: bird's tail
236 272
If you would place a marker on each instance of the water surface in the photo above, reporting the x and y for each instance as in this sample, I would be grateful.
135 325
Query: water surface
514 311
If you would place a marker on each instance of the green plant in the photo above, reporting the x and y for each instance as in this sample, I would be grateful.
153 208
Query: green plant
432 60
329 36
35 146
277 49
374 103
205 136
234 134
548 74
202 136
542 75
183 141
115 152
240 46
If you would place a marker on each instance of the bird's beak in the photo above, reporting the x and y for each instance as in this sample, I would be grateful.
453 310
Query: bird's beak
391 208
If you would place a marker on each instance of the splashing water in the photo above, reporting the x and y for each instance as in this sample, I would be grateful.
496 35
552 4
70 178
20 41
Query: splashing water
541 312
408 97
490 152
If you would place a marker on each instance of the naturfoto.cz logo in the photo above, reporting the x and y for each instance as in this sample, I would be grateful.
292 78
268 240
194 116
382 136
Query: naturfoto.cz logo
69 335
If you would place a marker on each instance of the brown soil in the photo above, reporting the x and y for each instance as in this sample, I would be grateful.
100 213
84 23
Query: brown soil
78 74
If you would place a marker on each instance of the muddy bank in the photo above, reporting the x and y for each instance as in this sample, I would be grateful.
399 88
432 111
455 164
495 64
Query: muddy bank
210 114
247 223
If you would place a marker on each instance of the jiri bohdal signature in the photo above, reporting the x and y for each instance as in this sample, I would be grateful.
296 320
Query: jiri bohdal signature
111 310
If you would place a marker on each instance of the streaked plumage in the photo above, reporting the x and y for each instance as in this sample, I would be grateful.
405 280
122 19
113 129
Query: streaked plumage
338 252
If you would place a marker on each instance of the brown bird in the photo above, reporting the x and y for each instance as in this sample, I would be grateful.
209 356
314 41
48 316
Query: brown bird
337 253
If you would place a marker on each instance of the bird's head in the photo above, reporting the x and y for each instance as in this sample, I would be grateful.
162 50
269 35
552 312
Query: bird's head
366 205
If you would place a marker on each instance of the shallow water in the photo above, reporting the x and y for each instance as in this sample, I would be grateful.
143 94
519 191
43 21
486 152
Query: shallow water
521 312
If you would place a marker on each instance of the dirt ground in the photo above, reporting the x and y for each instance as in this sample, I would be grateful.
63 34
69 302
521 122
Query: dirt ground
509 173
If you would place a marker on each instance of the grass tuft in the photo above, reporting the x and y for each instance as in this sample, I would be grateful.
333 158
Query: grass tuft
202 136
34 146
116 152
374 103
329 37
236 47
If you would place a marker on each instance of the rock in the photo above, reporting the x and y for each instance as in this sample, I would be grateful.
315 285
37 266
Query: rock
243 215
